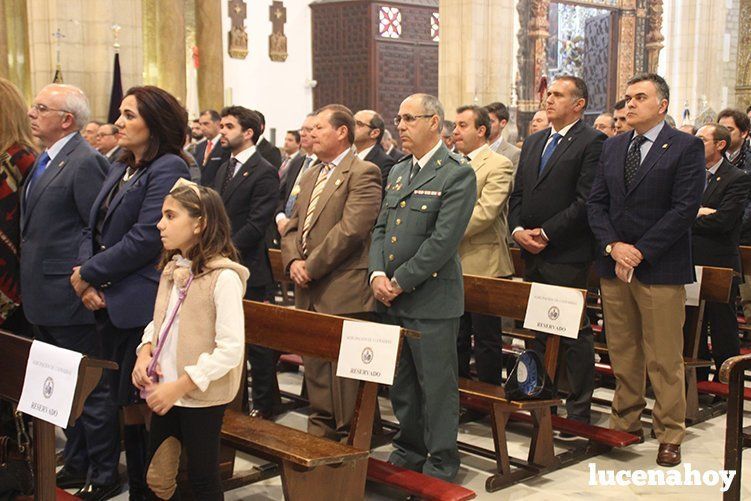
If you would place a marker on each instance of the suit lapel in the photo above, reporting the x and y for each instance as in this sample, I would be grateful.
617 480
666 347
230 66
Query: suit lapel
121 193
336 179
532 170
54 168
714 183
559 150
660 146
116 173
428 172
241 175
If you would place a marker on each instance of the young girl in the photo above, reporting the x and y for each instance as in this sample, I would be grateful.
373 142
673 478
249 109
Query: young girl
198 339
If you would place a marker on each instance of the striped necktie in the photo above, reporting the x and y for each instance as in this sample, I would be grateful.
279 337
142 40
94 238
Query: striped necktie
323 176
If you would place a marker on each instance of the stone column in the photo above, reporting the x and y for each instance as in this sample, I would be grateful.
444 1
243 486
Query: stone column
170 46
626 45
209 43
654 34
476 57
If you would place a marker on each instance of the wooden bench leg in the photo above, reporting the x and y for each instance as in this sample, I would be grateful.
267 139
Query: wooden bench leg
734 434
325 483
541 449
692 395
498 420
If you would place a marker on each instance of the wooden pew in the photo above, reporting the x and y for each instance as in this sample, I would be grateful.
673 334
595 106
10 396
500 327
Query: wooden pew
15 350
311 467
737 437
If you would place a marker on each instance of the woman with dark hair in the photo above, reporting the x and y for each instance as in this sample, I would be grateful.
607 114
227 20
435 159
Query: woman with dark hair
118 277
17 154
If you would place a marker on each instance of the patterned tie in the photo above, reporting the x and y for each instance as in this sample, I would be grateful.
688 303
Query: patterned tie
549 149
323 176
633 160
709 178
44 160
293 195
230 172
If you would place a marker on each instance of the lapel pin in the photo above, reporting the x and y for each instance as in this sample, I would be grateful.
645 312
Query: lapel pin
665 146
62 163
338 182
718 178
245 174
438 162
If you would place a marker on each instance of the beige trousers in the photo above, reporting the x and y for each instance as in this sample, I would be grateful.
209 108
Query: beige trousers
645 337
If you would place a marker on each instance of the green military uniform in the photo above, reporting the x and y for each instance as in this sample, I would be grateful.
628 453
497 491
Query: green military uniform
415 241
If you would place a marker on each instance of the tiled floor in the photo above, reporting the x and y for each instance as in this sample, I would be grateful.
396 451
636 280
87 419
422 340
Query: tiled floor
702 449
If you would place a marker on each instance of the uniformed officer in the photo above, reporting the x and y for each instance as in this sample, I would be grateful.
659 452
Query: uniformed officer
416 276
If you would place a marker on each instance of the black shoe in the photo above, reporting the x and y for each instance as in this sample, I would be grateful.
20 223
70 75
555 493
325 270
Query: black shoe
258 413
92 492
69 479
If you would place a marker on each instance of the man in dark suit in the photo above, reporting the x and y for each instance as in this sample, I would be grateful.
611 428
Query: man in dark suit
644 199
716 234
56 200
389 146
249 187
289 187
210 154
267 150
106 142
369 128
547 215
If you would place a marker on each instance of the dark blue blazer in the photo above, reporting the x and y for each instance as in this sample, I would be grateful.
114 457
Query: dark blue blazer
53 218
656 213
125 269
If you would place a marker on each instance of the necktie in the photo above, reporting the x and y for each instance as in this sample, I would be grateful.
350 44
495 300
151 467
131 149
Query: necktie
414 171
549 149
296 187
207 153
323 176
709 178
44 160
633 159
233 162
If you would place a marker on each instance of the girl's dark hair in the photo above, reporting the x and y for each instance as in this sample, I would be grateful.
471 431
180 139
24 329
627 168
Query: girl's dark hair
216 236
167 121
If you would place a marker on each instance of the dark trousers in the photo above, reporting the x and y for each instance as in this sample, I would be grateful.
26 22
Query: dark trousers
265 389
197 431
93 442
487 350
720 324
580 353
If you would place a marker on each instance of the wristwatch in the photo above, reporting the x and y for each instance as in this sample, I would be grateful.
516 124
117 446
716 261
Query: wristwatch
608 249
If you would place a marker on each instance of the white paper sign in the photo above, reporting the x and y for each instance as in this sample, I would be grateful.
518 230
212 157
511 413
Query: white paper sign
368 351
50 383
693 290
554 310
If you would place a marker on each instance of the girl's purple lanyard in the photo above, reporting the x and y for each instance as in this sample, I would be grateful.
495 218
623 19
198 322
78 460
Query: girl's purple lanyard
151 370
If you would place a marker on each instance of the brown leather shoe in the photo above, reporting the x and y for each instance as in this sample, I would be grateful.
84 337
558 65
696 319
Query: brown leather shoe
669 455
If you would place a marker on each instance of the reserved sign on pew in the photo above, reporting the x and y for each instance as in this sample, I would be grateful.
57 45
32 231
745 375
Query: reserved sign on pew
554 310
50 383
368 351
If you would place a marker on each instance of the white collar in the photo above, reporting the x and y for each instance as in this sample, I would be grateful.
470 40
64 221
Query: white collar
245 154
57 147
473 154
364 153
497 143
426 158
564 130
716 166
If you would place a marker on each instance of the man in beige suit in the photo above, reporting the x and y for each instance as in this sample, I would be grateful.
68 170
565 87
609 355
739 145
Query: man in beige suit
483 250
499 117
325 252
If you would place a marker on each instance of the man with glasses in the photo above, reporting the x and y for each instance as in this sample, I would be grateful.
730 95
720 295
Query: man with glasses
369 128
56 200
106 142
416 278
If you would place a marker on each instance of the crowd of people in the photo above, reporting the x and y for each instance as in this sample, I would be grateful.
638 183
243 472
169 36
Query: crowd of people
110 228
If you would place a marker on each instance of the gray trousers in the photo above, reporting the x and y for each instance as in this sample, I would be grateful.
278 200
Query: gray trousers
425 398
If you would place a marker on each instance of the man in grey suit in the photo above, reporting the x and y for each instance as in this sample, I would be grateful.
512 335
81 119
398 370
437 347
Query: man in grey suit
56 201
498 120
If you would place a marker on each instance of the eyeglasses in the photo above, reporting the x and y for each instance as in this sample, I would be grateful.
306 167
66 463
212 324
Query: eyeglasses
409 118
363 124
43 108
100 136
